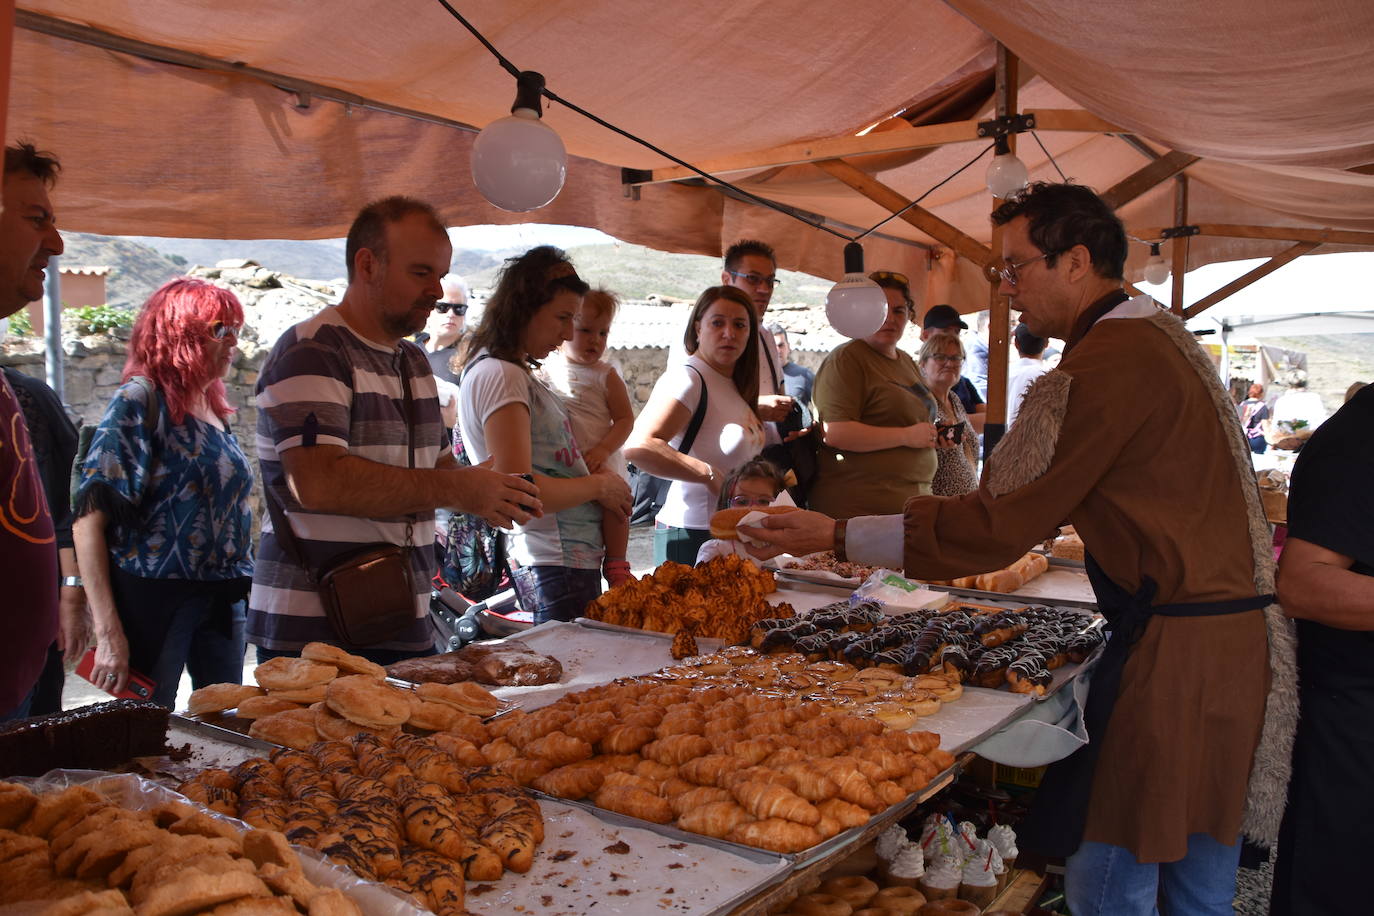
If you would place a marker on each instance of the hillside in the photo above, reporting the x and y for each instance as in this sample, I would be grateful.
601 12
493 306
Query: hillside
315 260
1333 362
138 268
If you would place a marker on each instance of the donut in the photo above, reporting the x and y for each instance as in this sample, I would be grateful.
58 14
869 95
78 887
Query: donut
821 905
899 899
855 890
952 907
725 523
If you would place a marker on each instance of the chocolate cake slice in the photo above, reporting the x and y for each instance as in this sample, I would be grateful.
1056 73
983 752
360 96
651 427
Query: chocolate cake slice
98 737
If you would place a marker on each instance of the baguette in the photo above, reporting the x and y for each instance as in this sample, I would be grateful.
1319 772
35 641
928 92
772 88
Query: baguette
724 524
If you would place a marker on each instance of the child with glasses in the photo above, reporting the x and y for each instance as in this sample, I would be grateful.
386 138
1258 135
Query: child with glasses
757 483
599 408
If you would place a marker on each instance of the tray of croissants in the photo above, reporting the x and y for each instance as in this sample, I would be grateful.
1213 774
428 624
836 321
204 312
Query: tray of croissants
330 694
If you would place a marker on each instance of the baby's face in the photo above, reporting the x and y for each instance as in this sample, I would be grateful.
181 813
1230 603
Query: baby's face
590 335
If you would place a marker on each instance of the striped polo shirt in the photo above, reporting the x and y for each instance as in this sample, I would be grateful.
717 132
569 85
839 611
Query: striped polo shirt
322 384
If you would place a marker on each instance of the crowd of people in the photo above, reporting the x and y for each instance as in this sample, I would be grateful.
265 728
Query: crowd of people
378 412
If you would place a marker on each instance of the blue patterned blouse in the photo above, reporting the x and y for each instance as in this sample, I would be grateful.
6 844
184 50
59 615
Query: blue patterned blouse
177 494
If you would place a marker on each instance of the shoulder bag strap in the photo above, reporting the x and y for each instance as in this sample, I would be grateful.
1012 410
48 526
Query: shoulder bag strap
698 417
768 358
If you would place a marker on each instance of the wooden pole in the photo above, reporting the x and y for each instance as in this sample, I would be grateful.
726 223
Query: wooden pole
999 310
1179 244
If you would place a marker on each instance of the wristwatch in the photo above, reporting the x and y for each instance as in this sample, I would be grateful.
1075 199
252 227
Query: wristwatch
72 582
841 529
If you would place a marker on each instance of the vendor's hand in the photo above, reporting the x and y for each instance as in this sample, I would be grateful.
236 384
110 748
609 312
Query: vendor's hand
501 500
797 533
615 493
595 458
111 669
73 623
922 435
774 408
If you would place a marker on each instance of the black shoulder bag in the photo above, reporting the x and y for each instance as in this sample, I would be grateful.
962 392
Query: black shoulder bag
368 593
649 492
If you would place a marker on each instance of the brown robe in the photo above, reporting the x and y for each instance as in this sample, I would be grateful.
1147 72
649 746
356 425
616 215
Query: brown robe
1125 441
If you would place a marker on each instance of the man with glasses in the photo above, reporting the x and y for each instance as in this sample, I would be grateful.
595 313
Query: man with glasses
751 266
944 319
445 327
1133 440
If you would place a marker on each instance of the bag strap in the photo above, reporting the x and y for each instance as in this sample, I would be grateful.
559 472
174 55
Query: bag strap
768 358
698 417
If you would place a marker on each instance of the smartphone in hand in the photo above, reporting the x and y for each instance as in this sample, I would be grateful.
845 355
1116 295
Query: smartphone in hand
137 688
950 432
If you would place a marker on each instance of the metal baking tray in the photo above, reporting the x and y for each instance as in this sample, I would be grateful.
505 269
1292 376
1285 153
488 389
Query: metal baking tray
705 644
220 733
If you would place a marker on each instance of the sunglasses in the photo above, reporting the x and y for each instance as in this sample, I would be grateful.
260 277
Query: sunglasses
219 330
458 308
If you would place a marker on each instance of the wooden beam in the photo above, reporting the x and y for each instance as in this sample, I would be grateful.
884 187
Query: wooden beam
1146 177
892 201
1179 245
1238 284
1275 233
885 141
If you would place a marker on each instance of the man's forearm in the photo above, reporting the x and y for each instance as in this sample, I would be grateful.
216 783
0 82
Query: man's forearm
349 485
1327 594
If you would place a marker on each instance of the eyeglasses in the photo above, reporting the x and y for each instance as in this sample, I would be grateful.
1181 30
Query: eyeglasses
739 502
219 330
458 308
1007 272
946 358
755 279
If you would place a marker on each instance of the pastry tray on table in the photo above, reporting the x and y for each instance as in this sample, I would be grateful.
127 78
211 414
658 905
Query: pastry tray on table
1061 585
597 861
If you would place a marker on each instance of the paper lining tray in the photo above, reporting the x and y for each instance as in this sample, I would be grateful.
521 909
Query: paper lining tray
762 868
1079 600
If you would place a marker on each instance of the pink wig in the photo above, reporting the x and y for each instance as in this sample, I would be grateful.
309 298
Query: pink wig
171 344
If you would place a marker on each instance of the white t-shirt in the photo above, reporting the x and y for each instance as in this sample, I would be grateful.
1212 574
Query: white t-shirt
572 537
1026 370
730 435
768 356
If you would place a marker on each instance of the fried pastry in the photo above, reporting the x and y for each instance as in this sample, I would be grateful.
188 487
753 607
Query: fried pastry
465 697
282 673
294 728
367 701
346 662
263 705
219 697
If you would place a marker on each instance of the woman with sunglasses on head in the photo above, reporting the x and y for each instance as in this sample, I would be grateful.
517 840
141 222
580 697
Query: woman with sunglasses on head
508 415
940 360
163 525
718 382
877 417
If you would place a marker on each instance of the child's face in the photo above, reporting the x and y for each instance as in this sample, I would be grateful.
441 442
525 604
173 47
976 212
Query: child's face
588 344
753 491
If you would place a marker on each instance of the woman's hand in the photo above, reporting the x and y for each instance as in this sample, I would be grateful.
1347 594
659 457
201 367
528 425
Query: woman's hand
922 435
111 670
615 493
595 458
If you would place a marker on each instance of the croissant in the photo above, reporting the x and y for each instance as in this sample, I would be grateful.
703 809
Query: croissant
711 770
755 750
538 724
846 814
498 750
715 819
853 785
625 763
696 798
811 784
524 770
890 765
430 823
652 769
941 758
570 781
767 800
433 877
470 728
591 728
461 750
674 786
890 792
776 834
630 779
501 726
559 748
626 739
783 756
828 827
635 802
513 840
763 774
643 715
680 724
677 749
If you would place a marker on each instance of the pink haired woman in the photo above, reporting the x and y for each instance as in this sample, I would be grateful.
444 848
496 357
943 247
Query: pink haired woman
163 525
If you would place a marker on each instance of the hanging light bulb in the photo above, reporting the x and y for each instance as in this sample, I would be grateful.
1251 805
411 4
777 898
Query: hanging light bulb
1156 269
519 162
856 306
1006 173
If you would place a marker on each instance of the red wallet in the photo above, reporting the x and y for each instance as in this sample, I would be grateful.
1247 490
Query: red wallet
137 688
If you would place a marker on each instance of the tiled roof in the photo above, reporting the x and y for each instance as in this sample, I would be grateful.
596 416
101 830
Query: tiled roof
91 271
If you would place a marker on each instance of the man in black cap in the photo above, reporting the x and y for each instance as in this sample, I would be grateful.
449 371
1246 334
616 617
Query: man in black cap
943 319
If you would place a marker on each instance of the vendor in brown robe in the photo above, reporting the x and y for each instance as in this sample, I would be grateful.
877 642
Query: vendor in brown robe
1133 441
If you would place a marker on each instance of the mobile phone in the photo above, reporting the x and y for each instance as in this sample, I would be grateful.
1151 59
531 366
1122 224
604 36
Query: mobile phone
953 432
528 478
138 687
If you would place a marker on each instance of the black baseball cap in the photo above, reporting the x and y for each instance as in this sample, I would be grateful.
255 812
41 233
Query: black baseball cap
942 316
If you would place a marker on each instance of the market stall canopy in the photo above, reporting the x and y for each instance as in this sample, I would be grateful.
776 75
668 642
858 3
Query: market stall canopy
220 120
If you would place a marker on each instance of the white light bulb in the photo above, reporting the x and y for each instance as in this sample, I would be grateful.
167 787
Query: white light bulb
1156 270
856 306
519 162
1006 175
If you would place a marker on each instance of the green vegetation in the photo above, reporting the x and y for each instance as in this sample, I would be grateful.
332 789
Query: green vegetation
20 326
99 319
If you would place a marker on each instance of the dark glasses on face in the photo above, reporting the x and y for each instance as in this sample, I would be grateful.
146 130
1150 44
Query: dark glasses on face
458 308
219 330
